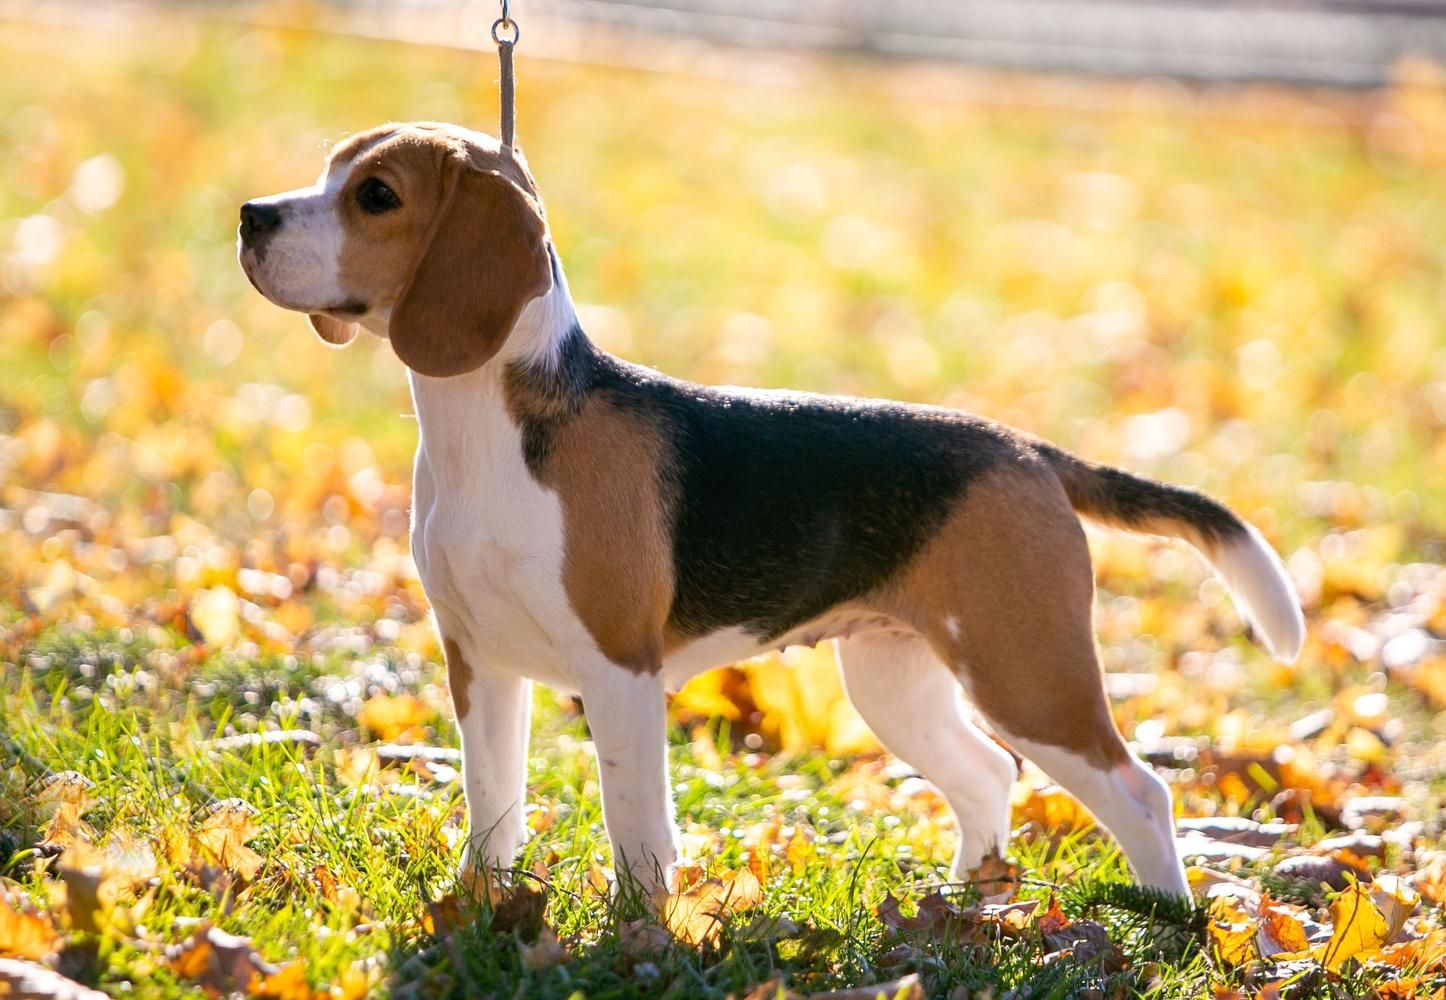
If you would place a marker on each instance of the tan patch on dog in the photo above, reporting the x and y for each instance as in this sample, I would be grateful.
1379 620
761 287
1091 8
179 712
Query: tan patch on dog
354 145
459 678
1005 594
618 564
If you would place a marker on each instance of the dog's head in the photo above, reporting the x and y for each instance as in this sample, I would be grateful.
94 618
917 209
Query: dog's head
428 234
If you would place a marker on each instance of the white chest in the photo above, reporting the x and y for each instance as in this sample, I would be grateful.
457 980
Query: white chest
488 538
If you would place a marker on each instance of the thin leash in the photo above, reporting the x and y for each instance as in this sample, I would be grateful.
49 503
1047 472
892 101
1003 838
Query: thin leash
508 82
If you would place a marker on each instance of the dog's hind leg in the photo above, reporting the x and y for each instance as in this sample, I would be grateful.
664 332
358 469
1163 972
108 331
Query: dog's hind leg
912 702
1006 598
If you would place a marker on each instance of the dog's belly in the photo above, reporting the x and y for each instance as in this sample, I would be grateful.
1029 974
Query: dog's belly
725 646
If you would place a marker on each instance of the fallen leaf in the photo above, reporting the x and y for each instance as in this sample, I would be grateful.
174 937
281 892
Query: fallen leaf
443 915
23 981
1359 926
642 937
799 849
771 990
1396 901
1231 930
215 614
996 879
287 983
546 952
695 917
88 899
395 717
217 960
519 911
223 835
1282 932
25 933
1052 809
907 988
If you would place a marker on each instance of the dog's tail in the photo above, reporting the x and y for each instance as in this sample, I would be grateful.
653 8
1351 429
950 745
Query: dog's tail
1240 556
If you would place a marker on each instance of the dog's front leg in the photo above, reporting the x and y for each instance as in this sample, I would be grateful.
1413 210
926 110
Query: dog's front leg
494 716
627 713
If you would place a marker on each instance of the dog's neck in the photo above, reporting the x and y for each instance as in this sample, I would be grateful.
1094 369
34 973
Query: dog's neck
467 416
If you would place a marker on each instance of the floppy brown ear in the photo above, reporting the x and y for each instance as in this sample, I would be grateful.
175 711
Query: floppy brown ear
487 258
333 331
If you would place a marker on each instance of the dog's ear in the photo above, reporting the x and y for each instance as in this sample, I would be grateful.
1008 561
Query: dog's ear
333 331
486 259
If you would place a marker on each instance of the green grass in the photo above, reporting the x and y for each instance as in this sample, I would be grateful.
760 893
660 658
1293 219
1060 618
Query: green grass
110 709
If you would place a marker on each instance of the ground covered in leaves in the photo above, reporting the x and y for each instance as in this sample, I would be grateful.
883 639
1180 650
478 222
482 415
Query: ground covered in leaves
228 763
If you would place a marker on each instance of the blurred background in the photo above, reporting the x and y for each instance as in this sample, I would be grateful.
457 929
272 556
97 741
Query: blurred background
1202 241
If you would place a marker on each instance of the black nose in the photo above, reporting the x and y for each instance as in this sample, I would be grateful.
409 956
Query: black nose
258 217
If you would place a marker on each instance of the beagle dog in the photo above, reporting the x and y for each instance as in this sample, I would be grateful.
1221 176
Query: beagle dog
596 526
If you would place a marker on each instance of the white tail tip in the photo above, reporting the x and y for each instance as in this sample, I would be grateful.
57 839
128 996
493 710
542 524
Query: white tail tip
1263 591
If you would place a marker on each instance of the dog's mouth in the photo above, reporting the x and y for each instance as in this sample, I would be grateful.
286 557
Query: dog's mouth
347 312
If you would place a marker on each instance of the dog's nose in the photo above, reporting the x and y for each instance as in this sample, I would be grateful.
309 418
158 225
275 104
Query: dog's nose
258 217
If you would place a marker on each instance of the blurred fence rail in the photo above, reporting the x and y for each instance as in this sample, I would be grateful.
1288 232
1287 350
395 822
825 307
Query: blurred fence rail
1347 43
1335 43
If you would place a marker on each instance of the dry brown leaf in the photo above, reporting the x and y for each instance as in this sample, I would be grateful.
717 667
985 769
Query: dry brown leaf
996 879
223 835
519 911
24 932
642 937
217 960
596 883
546 952
695 916
1282 933
1395 900
61 801
773 989
1054 919
357 766
443 915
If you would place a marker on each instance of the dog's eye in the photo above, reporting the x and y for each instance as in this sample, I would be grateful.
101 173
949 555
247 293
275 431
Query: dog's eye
374 197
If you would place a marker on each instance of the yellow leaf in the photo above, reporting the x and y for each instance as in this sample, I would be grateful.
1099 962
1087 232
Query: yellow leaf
216 615
801 696
394 717
1232 931
1359 926
88 898
63 799
712 693
1053 809
355 983
1396 901
24 933
286 983
799 849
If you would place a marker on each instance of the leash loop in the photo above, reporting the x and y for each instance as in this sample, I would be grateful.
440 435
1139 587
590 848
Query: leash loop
507 83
